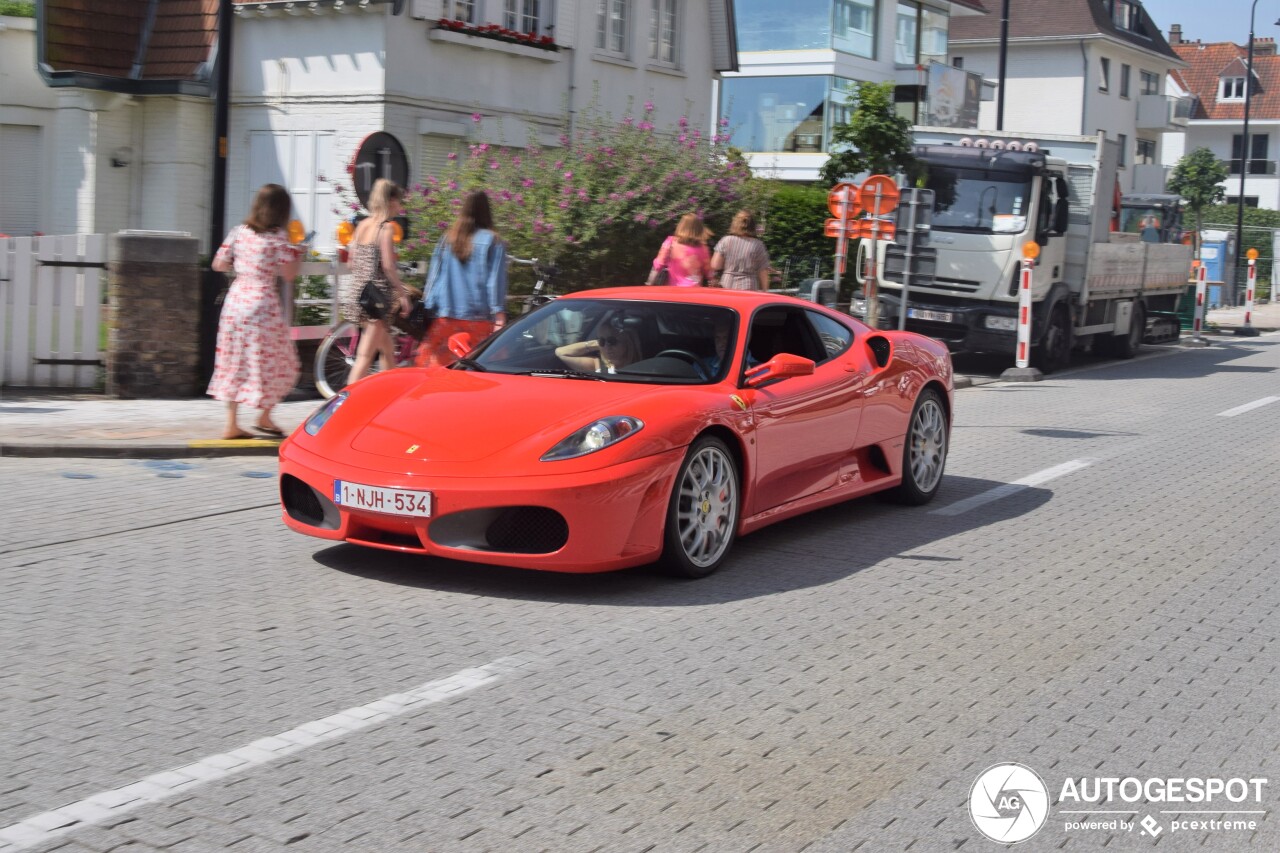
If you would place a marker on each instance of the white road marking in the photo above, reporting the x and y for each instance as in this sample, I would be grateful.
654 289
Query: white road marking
109 805
1013 488
1248 407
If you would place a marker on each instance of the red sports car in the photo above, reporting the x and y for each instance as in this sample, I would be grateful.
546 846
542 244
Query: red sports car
617 427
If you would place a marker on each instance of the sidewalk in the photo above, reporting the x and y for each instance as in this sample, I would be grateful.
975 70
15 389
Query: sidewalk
52 424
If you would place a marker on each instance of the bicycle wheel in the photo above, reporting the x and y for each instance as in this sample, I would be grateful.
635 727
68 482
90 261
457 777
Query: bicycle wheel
335 356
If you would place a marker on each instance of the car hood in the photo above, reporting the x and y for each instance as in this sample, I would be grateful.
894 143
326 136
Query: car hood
466 416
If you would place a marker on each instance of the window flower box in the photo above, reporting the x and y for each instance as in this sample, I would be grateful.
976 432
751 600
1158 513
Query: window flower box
497 33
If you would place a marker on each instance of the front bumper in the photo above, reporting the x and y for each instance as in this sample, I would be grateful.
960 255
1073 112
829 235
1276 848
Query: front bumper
596 521
964 332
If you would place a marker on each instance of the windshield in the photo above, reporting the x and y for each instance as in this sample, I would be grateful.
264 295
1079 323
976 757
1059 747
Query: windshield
614 340
979 201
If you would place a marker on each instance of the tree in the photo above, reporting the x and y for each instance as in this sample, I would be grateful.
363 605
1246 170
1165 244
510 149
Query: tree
875 139
1198 178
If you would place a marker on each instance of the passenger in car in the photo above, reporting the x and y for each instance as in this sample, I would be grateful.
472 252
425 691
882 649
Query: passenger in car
711 365
615 345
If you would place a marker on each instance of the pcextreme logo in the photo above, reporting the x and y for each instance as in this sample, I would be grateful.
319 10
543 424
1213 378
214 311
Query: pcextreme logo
1009 803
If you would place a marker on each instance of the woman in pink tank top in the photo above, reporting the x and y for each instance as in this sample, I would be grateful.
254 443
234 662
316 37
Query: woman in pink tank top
684 255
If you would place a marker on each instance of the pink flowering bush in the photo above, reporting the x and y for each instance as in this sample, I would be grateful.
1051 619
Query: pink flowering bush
598 206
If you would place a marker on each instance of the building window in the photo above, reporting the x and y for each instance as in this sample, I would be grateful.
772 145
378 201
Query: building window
784 114
662 31
1146 152
855 27
797 25
906 45
957 62
461 10
1234 200
611 25
1150 83
525 16
1124 81
933 35
1232 89
1124 15
1258 162
1104 75
1124 149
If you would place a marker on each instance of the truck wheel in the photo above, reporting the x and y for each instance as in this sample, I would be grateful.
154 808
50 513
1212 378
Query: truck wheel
1054 352
1127 346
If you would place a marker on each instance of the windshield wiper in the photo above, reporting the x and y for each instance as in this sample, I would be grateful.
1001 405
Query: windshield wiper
472 364
566 374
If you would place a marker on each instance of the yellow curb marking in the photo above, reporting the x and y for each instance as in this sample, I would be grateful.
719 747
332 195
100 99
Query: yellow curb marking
204 443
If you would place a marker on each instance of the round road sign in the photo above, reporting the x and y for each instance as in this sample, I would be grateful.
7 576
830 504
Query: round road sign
842 201
879 195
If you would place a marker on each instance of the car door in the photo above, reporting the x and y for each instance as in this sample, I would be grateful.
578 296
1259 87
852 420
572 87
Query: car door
805 425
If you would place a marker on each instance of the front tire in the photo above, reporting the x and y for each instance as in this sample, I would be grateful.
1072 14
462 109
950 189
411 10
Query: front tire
925 455
702 516
1054 352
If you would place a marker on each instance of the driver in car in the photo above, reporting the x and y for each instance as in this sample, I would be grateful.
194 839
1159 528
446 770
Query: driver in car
614 346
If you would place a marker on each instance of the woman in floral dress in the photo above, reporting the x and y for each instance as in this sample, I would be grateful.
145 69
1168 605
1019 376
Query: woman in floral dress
256 364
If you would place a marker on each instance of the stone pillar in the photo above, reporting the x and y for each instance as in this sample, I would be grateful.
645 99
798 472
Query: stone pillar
153 305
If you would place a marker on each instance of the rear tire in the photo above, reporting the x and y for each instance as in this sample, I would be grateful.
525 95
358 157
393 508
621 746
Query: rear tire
1127 345
702 516
924 456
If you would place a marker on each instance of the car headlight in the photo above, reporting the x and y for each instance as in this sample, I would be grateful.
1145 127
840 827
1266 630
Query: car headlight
594 436
321 415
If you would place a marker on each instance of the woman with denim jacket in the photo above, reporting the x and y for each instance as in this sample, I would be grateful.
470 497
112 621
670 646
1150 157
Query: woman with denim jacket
466 282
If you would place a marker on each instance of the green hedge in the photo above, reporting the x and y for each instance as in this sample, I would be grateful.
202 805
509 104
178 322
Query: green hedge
18 8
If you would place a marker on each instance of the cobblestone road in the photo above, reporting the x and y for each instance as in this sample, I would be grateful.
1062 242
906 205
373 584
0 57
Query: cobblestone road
1110 612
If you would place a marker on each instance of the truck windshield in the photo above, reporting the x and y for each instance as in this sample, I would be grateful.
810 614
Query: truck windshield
979 201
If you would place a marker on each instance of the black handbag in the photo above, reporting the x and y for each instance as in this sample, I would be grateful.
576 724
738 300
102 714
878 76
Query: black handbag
419 321
373 301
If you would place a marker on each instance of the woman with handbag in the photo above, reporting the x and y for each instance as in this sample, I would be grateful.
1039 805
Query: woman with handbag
255 363
466 288
683 260
374 294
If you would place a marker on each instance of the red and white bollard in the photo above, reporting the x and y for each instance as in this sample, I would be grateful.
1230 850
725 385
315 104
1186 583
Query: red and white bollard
1247 330
1197 324
1023 356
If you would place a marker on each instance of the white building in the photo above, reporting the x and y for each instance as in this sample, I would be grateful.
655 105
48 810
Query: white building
1214 77
798 61
1080 67
122 132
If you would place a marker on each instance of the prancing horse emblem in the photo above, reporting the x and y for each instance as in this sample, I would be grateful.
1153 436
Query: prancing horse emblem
412 448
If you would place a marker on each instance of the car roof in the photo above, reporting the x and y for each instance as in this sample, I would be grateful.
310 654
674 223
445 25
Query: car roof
741 300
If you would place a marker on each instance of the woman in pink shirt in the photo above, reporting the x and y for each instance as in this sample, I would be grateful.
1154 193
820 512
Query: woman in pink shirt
684 255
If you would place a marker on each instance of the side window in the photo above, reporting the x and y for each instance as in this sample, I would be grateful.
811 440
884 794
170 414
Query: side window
835 336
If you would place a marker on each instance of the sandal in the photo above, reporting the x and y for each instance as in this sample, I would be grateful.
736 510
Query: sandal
274 432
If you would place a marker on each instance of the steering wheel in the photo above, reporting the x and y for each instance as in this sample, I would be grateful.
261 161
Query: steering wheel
683 355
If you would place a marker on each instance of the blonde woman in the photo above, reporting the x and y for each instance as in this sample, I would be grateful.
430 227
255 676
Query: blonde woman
741 262
684 255
373 258
614 346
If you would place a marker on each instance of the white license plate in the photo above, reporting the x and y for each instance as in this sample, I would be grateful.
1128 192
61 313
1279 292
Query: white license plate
935 316
379 499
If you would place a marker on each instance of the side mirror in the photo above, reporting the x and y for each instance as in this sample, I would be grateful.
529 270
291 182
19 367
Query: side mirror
781 366
460 344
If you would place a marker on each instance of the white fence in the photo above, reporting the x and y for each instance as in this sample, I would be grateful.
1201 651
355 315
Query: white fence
51 311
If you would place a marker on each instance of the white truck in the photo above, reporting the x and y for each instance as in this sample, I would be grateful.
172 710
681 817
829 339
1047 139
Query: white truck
1091 286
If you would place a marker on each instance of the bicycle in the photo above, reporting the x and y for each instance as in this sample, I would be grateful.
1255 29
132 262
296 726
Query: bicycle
545 273
337 351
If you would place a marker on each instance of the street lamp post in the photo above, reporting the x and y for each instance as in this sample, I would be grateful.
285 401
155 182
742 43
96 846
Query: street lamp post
1244 145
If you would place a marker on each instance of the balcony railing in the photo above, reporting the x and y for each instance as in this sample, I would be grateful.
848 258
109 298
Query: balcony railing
1256 167
1163 112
